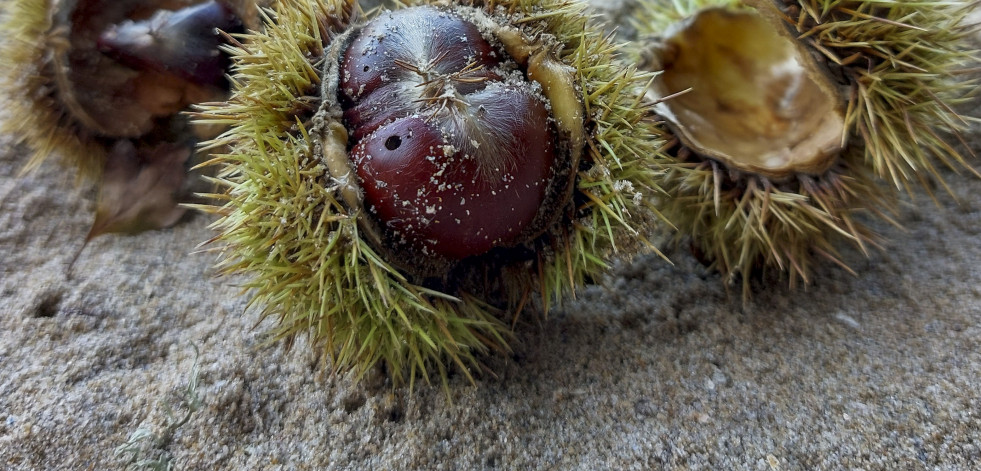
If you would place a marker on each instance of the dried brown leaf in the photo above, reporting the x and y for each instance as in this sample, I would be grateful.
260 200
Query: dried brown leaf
140 188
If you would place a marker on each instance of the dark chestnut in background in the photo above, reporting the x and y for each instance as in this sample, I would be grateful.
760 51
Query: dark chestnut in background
184 42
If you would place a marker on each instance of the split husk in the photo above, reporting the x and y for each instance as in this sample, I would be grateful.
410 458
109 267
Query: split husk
893 71
72 101
291 224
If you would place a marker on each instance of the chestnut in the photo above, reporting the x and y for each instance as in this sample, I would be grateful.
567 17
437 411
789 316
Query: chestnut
453 159
86 74
184 42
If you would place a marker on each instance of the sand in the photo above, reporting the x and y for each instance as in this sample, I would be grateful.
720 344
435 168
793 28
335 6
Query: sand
659 366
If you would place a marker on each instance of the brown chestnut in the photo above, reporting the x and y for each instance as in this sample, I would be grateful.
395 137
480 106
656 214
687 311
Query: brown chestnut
184 43
452 145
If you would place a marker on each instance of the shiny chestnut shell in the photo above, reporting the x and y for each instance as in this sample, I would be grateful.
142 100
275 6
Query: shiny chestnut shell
184 43
454 148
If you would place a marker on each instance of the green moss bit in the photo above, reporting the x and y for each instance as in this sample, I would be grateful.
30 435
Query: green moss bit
284 224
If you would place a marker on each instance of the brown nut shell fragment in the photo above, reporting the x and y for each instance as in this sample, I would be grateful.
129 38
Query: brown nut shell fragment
736 88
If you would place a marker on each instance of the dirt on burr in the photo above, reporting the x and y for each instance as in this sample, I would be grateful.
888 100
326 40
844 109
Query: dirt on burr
657 366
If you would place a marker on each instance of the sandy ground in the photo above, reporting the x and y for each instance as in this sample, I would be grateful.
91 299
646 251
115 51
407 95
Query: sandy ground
658 367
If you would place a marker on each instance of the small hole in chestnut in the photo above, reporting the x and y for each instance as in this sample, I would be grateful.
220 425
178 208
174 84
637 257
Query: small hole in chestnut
393 143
